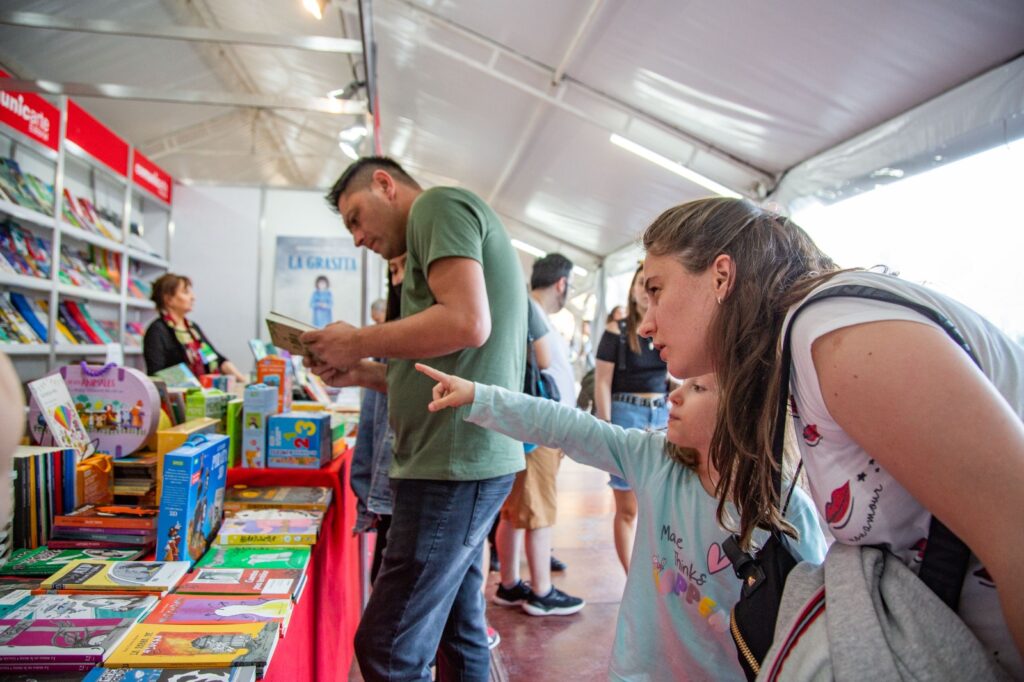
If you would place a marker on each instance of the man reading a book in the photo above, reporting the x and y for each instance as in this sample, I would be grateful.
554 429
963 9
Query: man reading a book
463 309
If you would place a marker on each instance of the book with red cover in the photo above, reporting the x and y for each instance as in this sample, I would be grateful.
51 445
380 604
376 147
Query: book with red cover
110 516
76 314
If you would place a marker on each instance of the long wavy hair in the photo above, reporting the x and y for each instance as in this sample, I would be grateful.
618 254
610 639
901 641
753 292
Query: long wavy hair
633 314
776 264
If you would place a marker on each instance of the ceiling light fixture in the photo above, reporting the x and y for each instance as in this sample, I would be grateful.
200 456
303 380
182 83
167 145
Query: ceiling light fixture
669 165
350 139
347 92
315 7
538 253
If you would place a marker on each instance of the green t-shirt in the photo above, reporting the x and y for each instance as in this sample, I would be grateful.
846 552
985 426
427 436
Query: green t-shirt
450 222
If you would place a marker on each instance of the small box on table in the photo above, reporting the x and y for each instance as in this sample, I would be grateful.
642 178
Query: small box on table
299 440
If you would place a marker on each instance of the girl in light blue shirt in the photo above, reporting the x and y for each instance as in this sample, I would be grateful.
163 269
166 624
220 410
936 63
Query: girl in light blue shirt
674 619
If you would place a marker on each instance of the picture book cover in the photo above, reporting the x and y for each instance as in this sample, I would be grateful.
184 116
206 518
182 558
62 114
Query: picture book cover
245 674
179 376
44 561
285 332
259 402
268 532
13 600
112 576
187 646
243 497
58 410
220 556
111 516
251 582
60 642
183 503
272 514
84 606
190 609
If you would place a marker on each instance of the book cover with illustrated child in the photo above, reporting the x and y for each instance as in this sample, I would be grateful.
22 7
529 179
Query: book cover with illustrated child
188 646
185 609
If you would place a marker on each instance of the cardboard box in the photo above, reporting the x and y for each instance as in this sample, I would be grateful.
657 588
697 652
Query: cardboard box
299 440
179 534
233 429
174 437
205 402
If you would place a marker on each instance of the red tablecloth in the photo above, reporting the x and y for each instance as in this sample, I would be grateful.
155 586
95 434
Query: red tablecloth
318 645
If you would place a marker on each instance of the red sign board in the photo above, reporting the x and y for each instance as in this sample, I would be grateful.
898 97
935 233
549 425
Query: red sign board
95 138
151 177
30 114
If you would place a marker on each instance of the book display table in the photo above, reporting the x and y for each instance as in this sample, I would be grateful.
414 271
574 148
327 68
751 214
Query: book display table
318 645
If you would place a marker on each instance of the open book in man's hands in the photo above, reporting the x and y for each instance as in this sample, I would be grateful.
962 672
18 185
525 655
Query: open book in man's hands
285 332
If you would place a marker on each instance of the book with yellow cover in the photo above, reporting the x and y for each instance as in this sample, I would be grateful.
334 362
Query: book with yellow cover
196 646
268 532
118 576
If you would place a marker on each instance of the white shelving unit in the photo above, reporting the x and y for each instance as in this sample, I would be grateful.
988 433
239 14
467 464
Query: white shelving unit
145 221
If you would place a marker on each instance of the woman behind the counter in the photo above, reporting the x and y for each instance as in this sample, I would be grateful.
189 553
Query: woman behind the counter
172 338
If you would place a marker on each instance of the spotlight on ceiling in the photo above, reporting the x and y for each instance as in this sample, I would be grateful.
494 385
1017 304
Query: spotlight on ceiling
315 7
350 139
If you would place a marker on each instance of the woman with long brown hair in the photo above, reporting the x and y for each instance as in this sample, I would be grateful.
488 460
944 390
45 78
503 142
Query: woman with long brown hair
895 421
630 387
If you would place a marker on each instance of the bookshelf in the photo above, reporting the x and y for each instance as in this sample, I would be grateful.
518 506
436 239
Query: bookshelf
104 234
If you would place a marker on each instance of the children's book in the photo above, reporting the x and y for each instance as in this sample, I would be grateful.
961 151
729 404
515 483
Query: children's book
193 609
57 408
256 557
245 674
285 332
268 532
244 582
10 601
59 644
84 606
194 646
110 516
179 376
274 514
118 576
243 497
45 561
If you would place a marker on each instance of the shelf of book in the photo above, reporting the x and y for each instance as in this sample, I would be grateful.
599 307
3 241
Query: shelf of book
80 349
25 348
144 303
91 238
148 259
25 282
25 214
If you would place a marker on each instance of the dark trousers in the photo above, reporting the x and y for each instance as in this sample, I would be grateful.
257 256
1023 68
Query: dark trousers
427 597
383 523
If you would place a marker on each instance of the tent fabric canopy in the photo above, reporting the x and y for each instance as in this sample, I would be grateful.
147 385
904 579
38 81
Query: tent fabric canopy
518 100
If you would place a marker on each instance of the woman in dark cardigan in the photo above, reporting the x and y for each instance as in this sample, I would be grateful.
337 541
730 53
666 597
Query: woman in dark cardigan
172 339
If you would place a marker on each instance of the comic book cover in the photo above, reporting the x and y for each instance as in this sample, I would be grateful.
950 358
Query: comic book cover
256 557
246 674
84 606
254 514
243 497
251 582
115 576
268 532
59 644
194 609
187 646
44 561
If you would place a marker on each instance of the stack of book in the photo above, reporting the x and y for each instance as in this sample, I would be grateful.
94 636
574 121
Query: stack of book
155 578
107 527
44 487
22 320
22 252
95 269
23 188
45 561
81 213
268 583
135 479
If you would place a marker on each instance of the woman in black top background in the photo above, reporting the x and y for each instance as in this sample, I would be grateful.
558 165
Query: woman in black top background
630 385
172 338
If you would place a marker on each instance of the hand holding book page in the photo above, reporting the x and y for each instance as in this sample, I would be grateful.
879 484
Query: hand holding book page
335 346
286 333
450 391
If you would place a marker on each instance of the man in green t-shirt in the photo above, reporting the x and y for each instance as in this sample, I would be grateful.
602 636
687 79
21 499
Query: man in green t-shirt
463 310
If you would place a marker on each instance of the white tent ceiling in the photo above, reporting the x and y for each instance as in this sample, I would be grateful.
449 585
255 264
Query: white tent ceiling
517 99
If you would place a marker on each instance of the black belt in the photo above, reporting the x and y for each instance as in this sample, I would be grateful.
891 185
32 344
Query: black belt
633 399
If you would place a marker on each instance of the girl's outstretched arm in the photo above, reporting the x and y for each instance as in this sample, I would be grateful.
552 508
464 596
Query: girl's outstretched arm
624 452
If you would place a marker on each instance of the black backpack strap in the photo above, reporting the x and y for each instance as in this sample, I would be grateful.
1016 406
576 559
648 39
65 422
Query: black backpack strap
945 556
620 365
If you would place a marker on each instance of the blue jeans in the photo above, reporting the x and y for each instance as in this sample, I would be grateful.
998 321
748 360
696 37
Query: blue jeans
630 416
427 598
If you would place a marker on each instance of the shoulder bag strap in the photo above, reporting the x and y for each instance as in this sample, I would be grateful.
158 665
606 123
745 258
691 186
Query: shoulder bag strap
945 557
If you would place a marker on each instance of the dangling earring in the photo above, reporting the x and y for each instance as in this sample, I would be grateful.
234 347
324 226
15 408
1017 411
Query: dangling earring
719 300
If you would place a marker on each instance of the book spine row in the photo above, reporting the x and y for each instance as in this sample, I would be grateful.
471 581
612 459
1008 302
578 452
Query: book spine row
41 492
